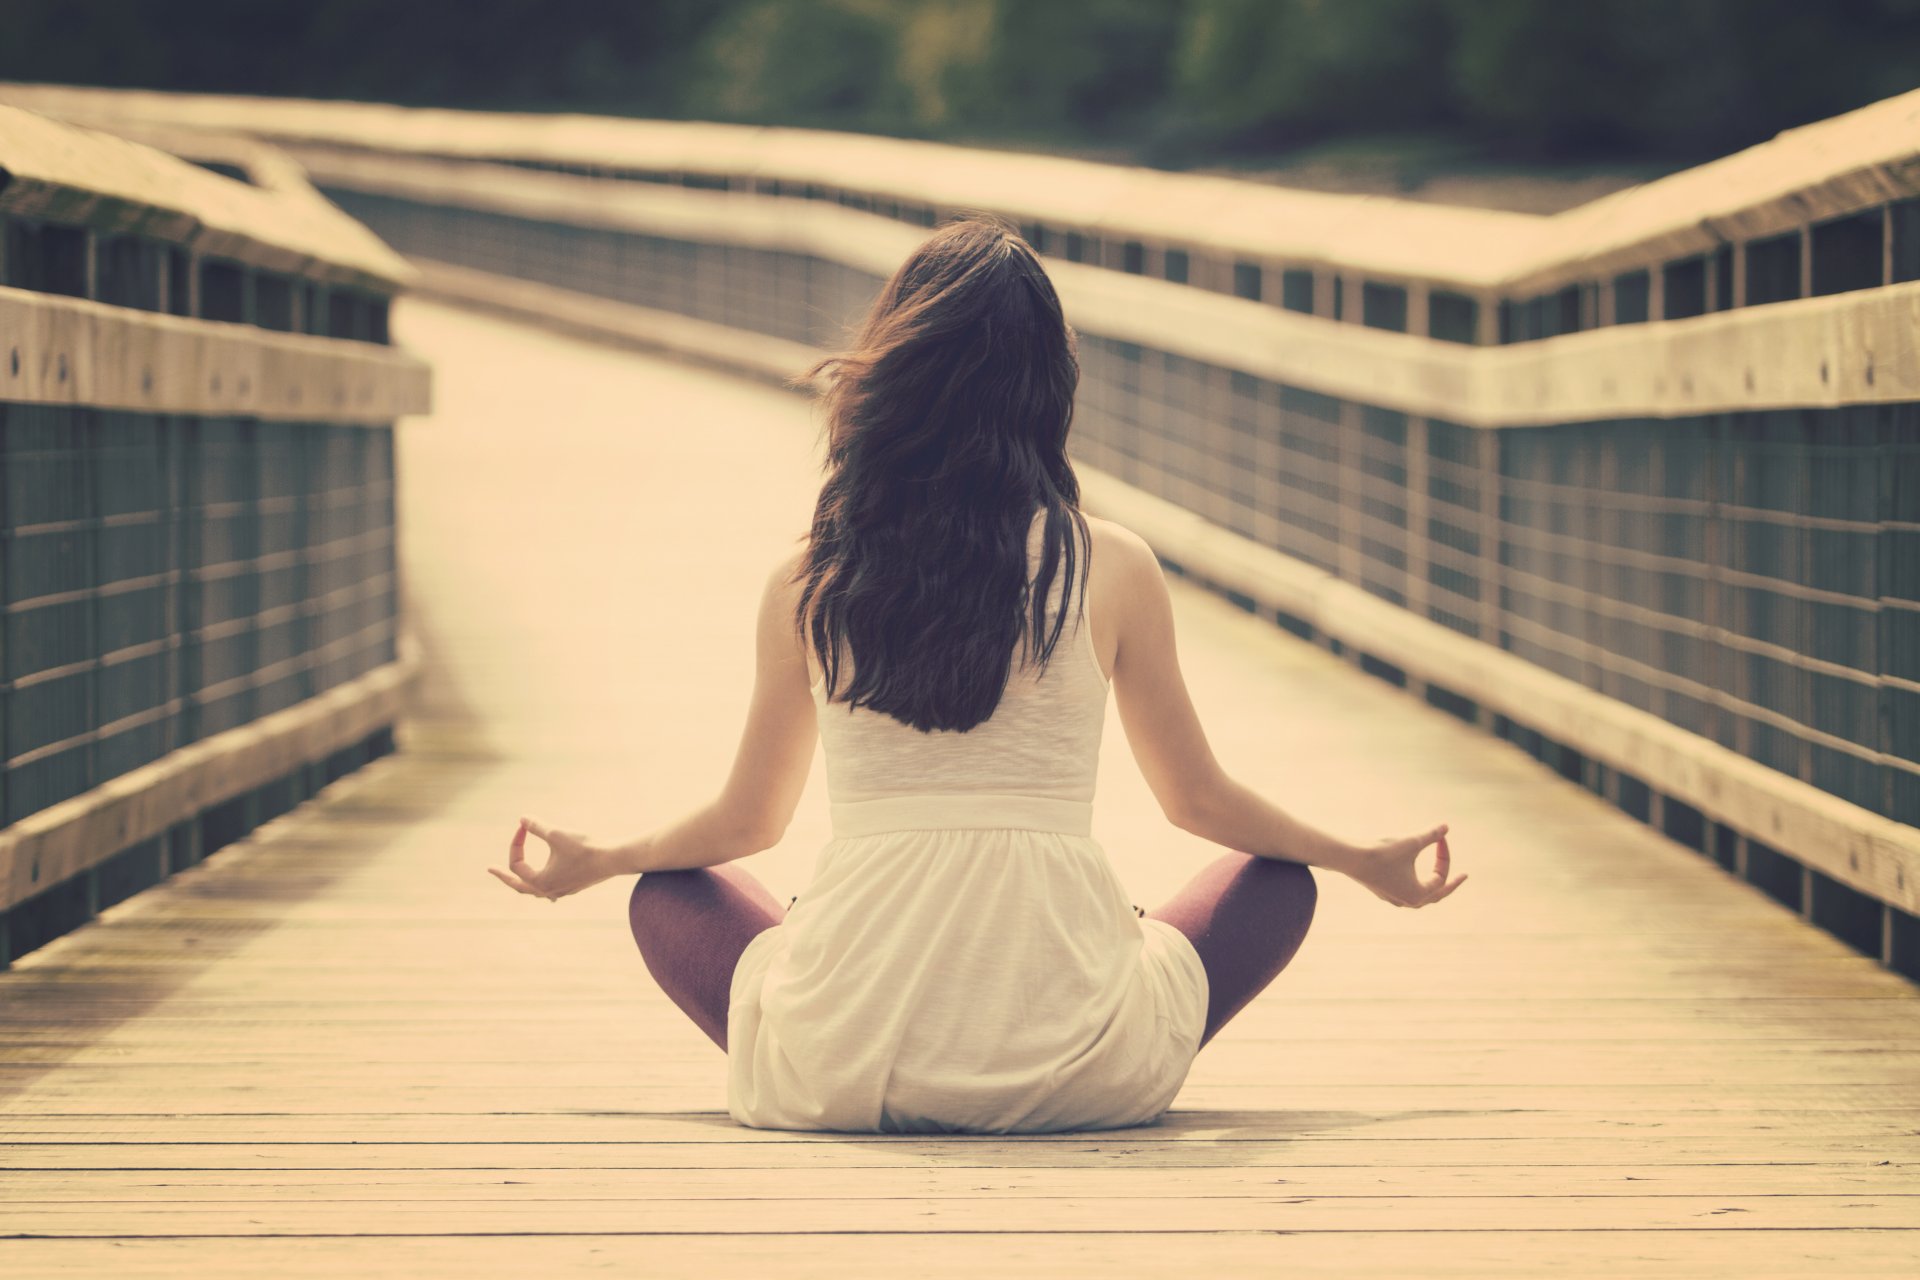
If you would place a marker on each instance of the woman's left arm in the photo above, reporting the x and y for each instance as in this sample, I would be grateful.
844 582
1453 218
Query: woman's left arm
753 808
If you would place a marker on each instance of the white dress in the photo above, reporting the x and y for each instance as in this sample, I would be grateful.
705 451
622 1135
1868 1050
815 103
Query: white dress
964 958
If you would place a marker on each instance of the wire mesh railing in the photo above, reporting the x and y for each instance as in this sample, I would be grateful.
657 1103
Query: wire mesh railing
199 586
1652 463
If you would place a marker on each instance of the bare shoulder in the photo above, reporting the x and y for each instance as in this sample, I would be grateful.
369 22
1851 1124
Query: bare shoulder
780 596
783 578
1123 554
1127 587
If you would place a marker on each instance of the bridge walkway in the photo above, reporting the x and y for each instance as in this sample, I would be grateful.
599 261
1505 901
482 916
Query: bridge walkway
340 1047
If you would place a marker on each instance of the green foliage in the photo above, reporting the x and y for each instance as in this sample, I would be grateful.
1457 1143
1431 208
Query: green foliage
1277 70
830 63
1169 79
1684 76
1093 66
502 53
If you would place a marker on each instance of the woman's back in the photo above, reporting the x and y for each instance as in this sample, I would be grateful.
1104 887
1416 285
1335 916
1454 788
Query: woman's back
1043 739
964 957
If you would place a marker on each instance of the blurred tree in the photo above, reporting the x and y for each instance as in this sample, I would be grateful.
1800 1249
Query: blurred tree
1095 66
1679 76
942 43
1172 80
516 53
1261 72
805 62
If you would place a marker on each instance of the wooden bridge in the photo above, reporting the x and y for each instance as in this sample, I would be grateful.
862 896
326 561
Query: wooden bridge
336 1046
339 1047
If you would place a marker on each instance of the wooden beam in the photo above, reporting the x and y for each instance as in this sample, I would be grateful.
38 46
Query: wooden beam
119 358
62 841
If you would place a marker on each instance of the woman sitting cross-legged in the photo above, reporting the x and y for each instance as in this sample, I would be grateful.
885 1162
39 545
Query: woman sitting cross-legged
964 958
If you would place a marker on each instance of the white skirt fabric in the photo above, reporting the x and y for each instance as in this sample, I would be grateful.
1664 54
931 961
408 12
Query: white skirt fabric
962 964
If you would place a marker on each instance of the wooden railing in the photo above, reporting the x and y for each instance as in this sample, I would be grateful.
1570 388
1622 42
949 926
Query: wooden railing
198 587
1665 534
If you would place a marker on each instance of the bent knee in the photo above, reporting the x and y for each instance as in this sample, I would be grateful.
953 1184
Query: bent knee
640 902
651 894
1295 880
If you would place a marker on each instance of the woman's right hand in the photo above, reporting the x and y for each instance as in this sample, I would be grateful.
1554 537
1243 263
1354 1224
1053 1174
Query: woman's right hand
1390 870
573 863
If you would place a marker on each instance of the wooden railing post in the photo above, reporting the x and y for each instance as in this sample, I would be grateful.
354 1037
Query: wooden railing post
1348 466
1491 535
1419 552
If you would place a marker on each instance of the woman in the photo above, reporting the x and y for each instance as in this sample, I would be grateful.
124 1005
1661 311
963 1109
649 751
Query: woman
964 959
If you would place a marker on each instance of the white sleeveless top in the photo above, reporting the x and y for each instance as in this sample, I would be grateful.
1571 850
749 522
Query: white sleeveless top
964 958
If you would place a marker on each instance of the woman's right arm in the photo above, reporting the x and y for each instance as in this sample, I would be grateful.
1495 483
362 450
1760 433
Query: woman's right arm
1194 792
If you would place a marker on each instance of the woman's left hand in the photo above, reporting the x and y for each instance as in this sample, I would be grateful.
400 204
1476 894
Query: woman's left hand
1389 870
573 863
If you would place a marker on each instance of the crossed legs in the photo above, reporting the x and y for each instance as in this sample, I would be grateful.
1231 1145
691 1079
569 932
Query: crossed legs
1246 916
692 927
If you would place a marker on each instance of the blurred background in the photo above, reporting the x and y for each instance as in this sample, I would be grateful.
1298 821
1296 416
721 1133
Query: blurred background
1451 99
398 424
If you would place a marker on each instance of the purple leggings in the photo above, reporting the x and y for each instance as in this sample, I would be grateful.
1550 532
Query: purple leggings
1245 915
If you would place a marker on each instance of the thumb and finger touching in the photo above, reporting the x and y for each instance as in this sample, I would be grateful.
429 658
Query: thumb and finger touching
511 881
1421 891
519 874
1443 882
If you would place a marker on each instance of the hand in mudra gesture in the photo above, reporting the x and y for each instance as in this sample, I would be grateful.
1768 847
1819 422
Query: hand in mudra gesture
573 863
1391 870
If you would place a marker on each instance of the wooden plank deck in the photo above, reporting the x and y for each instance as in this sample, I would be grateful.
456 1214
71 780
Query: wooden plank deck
342 1048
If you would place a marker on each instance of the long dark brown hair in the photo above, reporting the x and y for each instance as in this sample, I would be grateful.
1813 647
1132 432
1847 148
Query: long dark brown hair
946 425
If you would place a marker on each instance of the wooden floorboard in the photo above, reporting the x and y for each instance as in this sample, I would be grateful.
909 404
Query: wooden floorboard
339 1048
1700 1251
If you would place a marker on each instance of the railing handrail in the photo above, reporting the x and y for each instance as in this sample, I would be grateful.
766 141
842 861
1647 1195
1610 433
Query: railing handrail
1676 368
77 176
1822 170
